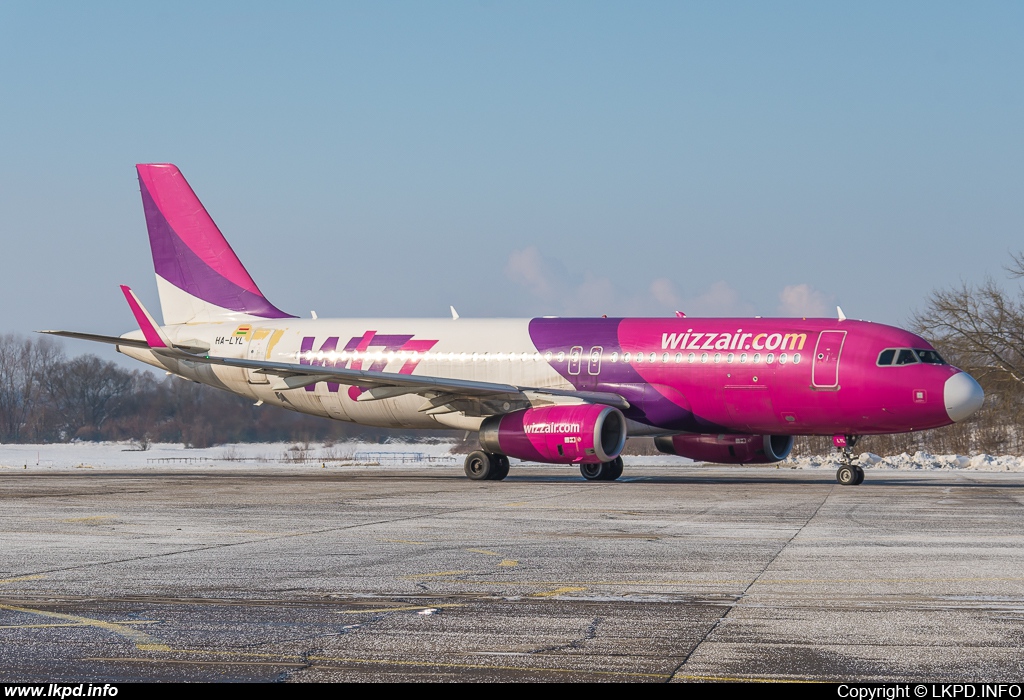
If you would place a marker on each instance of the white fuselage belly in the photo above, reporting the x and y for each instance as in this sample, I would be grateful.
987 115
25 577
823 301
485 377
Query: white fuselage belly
498 351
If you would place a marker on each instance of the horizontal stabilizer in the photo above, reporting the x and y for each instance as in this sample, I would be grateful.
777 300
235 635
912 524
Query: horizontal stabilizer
112 339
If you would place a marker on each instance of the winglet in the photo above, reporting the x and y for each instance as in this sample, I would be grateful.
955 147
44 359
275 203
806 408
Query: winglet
154 335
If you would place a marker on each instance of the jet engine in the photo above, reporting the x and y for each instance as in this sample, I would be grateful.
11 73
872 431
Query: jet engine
585 433
727 449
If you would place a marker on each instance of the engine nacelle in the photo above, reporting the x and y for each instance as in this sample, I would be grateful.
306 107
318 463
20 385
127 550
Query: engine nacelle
728 449
585 433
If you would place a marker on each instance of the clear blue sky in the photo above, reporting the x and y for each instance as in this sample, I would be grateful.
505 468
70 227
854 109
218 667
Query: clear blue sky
517 159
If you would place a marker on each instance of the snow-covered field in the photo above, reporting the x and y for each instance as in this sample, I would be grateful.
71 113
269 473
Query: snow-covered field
109 455
162 456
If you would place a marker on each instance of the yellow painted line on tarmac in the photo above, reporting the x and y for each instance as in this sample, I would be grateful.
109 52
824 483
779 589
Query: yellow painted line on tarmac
406 608
192 662
437 574
559 591
75 624
142 640
33 577
485 551
509 562
742 679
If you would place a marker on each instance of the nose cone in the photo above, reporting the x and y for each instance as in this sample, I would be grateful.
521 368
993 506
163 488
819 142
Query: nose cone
962 395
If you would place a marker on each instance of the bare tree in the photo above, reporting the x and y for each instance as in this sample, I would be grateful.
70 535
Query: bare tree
22 362
980 329
84 393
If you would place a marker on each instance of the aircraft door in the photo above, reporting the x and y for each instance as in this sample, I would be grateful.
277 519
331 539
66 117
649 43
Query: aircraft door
825 371
261 343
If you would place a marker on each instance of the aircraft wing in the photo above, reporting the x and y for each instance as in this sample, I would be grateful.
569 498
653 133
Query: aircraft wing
442 391
383 385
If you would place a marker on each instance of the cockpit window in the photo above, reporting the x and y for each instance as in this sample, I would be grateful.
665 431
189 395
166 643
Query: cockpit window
906 356
930 356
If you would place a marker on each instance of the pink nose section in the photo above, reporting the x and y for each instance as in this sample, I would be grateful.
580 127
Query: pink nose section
962 396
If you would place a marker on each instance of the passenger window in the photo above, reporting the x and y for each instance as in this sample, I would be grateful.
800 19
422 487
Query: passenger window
615 357
664 357
691 357
625 357
679 357
906 356
885 359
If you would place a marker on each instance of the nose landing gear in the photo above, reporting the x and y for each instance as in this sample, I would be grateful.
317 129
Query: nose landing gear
850 474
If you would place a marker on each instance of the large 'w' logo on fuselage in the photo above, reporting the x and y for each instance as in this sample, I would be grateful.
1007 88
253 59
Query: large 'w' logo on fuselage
368 351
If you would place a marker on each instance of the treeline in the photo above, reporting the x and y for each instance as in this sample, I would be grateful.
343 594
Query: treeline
47 396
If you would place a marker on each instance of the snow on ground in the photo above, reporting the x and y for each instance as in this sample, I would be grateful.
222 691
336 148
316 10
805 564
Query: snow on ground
112 455
107 455
917 461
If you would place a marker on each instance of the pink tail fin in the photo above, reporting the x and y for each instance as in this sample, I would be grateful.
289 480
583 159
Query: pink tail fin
198 274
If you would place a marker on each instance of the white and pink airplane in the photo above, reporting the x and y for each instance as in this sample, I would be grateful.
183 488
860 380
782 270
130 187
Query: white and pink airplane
555 390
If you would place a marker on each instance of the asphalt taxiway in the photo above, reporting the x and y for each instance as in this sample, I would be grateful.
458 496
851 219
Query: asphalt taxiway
671 574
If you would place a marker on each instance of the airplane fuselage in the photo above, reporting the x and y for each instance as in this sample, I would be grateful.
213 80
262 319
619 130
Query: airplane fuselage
780 376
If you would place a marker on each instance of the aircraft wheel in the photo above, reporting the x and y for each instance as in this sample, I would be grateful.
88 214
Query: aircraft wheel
595 472
847 475
480 466
860 477
502 468
615 469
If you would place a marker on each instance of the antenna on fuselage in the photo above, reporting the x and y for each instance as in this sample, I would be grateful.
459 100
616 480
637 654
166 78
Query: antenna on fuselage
842 316
455 314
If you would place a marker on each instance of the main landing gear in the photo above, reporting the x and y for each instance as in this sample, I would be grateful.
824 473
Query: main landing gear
603 471
484 466
850 474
